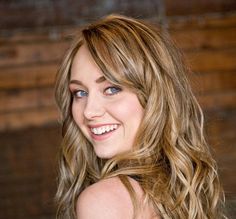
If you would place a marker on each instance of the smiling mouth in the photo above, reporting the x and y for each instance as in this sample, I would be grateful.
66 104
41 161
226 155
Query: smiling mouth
98 131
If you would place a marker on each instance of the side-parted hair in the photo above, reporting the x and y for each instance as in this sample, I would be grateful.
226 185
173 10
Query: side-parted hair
170 157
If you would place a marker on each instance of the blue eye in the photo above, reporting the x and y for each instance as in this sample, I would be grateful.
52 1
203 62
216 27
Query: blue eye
112 90
80 93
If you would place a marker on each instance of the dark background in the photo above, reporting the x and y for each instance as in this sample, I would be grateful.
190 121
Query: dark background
33 38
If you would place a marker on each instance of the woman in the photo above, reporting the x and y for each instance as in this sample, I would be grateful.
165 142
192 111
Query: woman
133 144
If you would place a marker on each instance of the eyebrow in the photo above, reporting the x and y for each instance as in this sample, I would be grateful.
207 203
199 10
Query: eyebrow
99 80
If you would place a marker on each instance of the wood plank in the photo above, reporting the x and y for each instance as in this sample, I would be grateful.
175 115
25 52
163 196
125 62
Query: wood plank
28 76
205 21
213 82
28 14
186 7
33 35
23 54
218 101
206 60
220 125
178 26
204 38
15 100
27 169
221 134
28 118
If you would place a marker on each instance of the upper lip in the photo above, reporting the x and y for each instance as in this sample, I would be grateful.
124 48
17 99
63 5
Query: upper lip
99 125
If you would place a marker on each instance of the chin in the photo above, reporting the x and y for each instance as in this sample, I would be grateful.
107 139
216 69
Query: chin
105 155
108 154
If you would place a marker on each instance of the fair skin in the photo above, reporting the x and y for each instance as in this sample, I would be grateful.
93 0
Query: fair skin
110 199
109 117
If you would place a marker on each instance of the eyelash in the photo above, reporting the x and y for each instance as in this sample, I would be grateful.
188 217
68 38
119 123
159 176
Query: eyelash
117 90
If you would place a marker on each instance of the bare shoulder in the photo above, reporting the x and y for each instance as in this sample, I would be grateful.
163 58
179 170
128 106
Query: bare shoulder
105 199
109 198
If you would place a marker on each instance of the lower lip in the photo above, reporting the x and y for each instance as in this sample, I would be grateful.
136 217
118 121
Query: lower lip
103 136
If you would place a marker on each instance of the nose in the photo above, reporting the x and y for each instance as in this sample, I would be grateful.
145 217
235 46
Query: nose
94 107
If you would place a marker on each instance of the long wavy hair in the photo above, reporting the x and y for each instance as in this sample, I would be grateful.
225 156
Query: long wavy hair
170 157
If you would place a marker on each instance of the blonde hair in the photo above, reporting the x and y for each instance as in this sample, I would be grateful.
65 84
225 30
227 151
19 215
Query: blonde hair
170 158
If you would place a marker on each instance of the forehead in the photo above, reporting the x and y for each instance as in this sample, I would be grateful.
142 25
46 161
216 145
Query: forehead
83 65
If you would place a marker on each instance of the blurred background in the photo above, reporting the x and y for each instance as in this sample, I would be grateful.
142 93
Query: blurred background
34 35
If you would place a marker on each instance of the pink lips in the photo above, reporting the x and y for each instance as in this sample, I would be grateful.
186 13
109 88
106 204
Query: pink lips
103 136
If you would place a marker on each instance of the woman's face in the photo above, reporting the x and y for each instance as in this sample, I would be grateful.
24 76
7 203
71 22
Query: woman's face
109 116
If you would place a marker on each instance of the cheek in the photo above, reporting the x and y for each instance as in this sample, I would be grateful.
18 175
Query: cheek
129 111
77 114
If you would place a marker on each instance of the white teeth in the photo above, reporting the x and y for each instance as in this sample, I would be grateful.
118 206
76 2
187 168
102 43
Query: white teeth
103 129
95 131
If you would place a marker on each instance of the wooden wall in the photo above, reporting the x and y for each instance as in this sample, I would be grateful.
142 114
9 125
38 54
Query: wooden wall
33 38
